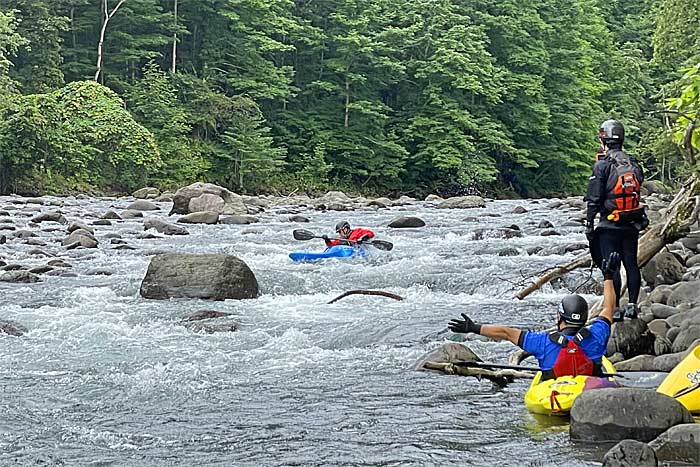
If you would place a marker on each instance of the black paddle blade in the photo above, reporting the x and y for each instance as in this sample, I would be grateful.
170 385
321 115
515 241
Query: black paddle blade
301 234
382 245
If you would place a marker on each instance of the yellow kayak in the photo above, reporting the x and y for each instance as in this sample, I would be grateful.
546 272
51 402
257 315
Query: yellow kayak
683 382
556 396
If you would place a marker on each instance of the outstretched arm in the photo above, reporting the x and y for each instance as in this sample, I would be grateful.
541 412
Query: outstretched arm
501 333
492 331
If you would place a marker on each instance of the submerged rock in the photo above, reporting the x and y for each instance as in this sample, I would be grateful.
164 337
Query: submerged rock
630 453
213 276
406 222
12 328
680 443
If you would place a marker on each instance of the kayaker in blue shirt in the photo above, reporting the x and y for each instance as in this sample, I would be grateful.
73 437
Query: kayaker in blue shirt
559 353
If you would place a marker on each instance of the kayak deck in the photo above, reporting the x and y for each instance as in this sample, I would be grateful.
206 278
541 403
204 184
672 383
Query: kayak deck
683 382
337 251
556 396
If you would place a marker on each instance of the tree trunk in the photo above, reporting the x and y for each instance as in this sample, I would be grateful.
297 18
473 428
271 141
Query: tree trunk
172 66
347 102
366 292
100 44
682 213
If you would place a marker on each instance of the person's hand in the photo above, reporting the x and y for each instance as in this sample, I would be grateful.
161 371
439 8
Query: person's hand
589 232
610 265
325 238
363 239
465 325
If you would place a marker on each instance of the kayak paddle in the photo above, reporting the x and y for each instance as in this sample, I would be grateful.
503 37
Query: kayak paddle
302 234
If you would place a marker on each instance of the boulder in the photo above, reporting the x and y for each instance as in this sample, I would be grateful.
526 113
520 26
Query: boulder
12 328
693 261
131 214
692 242
298 219
549 233
631 338
24 234
462 202
638 363
111 215
433 199
212 276
660 294
18 277
612 414
519 210
686 337
238 220
381 203
79 225
204 314
448 353
404 222
102 222
630 453
203 217
181 200
142 205
207 202
685 292
164 227
664 268
545 224
661 311
81 238
50 217
658 327
211 328
146 193
680 443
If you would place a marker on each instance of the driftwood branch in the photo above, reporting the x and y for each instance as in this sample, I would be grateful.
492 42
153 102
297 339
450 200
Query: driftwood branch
499 377
366 292
682 213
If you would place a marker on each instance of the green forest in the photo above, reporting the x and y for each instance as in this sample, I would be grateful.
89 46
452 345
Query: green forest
368 96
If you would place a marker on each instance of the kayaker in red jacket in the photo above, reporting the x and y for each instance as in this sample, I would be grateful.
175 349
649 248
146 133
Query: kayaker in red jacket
353 236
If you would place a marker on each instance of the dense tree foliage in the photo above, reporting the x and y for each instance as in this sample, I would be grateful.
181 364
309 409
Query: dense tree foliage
390 96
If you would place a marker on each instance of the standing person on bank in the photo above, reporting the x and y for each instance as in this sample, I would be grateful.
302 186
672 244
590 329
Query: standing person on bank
614 192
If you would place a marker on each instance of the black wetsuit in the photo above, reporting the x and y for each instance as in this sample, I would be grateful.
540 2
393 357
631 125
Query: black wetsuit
622 237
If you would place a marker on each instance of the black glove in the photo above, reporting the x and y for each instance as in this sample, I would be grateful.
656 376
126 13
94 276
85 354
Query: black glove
326 239
363 239
589 231
610 265
464 326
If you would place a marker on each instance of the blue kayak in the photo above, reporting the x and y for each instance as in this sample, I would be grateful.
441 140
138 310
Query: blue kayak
337 251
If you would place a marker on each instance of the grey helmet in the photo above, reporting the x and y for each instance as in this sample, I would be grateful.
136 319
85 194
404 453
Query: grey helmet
341 225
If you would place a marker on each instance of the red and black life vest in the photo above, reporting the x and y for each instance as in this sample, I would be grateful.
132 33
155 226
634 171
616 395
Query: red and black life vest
572 360
623 188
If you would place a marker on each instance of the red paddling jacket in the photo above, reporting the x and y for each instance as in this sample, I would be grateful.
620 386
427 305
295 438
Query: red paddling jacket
357 235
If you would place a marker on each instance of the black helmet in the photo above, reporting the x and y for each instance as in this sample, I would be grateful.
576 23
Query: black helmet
341 225
612 133
573 309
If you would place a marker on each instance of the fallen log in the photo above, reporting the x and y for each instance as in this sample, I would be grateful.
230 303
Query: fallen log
682 213
499 377
366 292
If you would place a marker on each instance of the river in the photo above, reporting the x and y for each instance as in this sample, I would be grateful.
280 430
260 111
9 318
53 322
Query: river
106 378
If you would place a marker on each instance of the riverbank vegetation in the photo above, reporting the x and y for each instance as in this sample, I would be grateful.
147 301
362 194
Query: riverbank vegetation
383 96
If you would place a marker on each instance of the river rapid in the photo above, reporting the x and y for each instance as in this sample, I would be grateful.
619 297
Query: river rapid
106 378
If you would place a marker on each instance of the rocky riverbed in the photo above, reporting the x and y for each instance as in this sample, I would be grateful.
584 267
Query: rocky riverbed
97 374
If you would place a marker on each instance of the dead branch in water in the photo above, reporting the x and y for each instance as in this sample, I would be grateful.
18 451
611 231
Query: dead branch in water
499 377
366 292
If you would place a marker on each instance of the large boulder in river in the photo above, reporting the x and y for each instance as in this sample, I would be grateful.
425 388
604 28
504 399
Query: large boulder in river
447 353
613 414
462 202
164 227
142 205
200 217
213 276
680 443
664 268
232 203
404 222
12 328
